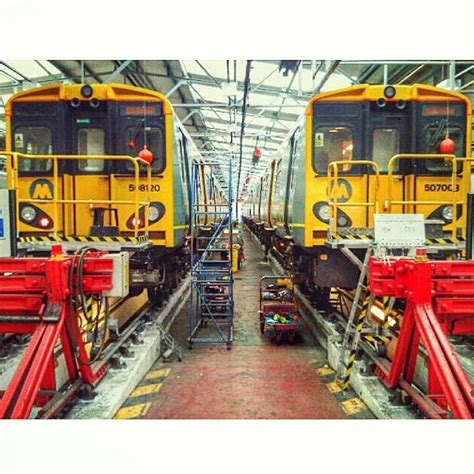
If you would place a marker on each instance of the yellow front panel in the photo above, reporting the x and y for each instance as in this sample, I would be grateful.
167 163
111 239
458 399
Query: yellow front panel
123 188
39 188
89 187
350 189
383 195
436 188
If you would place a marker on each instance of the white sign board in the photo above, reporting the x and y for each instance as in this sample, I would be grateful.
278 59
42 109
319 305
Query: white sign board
399 230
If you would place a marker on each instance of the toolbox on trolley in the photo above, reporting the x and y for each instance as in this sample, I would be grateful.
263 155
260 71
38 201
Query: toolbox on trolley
277 312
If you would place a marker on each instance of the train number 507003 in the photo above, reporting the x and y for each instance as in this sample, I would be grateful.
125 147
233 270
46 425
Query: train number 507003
440 187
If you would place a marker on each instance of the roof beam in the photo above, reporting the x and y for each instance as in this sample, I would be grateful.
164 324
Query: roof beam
124 65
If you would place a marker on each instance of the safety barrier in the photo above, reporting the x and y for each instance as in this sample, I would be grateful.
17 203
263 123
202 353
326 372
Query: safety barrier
439 301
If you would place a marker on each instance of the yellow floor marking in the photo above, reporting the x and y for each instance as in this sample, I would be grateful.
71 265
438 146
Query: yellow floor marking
334 387
146 390
322 371
135 411
154 374
353 405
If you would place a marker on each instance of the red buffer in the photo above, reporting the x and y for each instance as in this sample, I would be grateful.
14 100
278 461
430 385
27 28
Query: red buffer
35 297
439 301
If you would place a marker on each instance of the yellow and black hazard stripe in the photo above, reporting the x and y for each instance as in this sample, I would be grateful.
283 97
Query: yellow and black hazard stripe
348 400
354 237
444 241
140 399
375 340
38 238
358 328
387 306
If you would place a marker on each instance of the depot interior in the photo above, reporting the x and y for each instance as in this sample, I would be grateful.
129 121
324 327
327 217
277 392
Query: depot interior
230 239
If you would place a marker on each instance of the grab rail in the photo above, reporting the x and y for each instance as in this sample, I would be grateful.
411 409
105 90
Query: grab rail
419 156
13 180
333 180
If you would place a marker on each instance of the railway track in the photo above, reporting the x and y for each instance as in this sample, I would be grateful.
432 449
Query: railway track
140 345
131 352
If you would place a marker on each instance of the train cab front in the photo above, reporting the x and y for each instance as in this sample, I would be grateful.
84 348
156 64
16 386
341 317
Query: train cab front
89 163
388 149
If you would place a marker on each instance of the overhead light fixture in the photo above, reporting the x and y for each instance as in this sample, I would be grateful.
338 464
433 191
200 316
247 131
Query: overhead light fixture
288 65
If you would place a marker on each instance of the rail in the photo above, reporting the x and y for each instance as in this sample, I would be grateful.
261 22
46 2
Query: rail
333 180
13 182
415 202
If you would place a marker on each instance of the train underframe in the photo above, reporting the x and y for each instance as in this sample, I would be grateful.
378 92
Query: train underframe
159 271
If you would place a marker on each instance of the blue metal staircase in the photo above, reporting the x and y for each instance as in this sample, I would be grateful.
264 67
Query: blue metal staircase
211 302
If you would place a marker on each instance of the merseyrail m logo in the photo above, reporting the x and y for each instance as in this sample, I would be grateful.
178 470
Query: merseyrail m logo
343 191
41 189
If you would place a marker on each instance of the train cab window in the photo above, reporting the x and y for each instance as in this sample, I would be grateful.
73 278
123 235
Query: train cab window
434 136
33 141
385 144
91 141
154 142
332 144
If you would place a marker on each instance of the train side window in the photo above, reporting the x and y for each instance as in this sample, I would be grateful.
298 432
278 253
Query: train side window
33 141
385 144
154 142
91 141
434 136
332 144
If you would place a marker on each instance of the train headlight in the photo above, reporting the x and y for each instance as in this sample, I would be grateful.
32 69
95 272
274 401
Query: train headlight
28 214
324 212
389 92
447 213
401 104
153 213
342 221
86 91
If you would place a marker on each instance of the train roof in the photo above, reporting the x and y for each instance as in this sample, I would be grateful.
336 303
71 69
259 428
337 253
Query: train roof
373 92
112 91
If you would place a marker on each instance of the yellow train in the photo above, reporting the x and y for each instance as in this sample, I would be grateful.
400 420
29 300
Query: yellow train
354 152
105 165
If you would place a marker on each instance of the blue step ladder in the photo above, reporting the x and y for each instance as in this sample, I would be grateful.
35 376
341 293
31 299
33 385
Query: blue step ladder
211 308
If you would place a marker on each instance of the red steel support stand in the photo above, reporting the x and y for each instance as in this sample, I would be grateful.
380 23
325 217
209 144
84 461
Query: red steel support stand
439 301
35 298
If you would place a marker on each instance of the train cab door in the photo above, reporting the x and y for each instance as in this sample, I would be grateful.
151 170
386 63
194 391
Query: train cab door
90 177
388 136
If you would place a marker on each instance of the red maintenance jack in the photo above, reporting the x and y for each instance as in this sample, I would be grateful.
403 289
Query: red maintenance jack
439 301
36 297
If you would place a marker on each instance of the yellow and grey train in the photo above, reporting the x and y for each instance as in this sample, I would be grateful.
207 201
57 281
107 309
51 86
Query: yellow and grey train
105 165
355 152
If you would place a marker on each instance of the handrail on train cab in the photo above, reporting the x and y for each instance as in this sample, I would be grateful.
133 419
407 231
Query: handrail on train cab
420 156
333 179
13 176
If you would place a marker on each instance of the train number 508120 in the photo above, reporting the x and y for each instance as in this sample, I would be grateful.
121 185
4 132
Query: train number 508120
144 187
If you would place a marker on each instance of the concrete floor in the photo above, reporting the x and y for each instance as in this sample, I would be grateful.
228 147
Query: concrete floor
256 379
